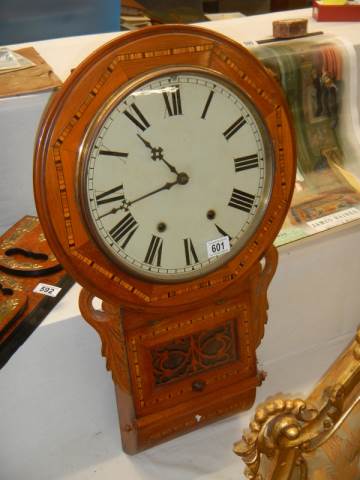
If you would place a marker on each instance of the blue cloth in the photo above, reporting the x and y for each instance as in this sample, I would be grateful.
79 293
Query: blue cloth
26 21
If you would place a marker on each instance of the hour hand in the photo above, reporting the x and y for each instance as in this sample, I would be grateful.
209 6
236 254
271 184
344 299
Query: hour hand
157 154
145 142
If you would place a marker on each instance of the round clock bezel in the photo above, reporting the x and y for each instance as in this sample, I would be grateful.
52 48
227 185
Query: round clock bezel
71 111
91 136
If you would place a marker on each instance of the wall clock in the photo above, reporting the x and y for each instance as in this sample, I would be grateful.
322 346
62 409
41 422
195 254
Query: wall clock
164 169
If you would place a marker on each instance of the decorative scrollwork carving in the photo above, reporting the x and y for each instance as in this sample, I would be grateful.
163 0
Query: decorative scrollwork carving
285 430
194 353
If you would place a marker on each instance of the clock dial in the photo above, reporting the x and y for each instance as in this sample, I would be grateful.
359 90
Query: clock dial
180 160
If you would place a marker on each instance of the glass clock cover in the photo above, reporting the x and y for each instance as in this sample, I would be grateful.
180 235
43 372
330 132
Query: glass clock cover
177 170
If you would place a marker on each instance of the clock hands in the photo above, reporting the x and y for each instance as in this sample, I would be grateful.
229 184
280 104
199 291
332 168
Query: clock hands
156 151
157 154
181 179
123 206
167 186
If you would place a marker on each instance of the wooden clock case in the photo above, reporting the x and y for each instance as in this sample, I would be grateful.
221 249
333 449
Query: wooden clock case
181 354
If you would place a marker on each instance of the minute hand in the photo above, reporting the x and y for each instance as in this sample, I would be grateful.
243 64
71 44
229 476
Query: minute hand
181 179
167 186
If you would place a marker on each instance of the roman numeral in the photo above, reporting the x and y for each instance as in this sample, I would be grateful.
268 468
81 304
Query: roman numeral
138 118
239 123
173 107
190 254
113 154
153 254
246 163
124 229
207 104
241 200
107 197
222 232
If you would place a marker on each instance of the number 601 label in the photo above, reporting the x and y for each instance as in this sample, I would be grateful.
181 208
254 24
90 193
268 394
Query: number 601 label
218 246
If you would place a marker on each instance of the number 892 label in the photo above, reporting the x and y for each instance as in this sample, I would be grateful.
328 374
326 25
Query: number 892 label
218 246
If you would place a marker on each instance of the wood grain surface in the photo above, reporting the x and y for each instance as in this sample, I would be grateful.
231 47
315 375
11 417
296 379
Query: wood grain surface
171 347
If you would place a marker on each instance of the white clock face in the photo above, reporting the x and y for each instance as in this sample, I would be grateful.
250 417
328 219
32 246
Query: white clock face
177 175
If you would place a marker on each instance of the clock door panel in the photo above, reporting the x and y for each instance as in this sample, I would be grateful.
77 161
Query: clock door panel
189 355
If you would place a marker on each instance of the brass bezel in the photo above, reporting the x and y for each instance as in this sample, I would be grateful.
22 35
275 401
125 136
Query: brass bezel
90 138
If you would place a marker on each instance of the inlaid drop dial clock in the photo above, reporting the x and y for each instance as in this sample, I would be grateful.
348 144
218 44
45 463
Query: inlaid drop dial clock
177 173
164 169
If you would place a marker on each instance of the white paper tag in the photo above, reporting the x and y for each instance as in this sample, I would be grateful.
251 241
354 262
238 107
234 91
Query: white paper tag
49 290
249 43
339 218
218 247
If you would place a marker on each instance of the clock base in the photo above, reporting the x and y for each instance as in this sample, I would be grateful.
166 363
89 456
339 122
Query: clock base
148 431
168 368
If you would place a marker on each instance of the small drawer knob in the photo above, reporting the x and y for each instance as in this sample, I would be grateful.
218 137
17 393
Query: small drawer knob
198 385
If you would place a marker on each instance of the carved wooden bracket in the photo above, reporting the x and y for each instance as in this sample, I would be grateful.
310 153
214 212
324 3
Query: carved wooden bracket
261 283
107 322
